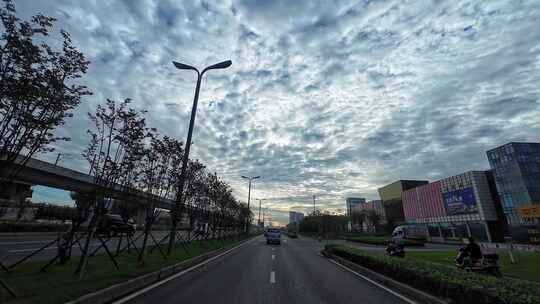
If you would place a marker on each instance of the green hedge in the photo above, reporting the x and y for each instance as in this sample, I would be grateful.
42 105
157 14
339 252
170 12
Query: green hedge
32 227
445 282
376 240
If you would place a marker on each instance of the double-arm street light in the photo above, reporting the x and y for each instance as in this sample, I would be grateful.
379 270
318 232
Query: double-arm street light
249 178
181 66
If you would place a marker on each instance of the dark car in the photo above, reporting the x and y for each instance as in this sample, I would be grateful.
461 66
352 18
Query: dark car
114 224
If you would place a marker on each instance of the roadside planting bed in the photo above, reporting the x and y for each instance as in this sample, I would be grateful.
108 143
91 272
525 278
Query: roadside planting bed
442 281
59 284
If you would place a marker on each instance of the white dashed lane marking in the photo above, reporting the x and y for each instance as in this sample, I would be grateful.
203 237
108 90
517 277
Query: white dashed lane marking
273 277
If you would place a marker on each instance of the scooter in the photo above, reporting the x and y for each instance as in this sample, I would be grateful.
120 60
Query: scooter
395 250
488 264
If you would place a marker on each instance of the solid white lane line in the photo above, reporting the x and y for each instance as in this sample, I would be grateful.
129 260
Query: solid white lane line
273 277
402 297
181 273
273 257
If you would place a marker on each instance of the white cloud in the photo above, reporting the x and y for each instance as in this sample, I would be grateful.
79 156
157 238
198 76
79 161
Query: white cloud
325 98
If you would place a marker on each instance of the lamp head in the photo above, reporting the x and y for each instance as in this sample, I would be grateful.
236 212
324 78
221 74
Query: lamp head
222 65
182 66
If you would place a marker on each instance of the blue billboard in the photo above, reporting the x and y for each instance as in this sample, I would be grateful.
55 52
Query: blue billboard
460 201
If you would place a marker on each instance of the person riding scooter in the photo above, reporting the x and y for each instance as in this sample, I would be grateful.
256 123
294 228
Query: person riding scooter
471 250
396 247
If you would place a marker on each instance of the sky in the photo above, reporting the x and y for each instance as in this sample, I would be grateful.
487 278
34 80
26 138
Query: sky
326 98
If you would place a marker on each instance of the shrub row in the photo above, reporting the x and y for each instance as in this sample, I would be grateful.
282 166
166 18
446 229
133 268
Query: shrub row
375 240
32 227
445 282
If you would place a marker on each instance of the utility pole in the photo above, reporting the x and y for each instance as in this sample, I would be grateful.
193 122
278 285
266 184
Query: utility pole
260 200
314 204
249 178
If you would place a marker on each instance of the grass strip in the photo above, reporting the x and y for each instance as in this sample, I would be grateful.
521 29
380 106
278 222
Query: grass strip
527 266
443 281
59 284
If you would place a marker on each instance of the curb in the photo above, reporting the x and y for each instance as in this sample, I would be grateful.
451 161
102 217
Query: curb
120 290
417 295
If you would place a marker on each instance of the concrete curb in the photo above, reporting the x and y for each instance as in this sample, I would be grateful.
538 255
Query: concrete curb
120 290
413 293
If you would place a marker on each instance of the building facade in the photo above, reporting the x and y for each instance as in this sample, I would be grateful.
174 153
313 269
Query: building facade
378 208
455 207
295 217
353 202
391 198
516 168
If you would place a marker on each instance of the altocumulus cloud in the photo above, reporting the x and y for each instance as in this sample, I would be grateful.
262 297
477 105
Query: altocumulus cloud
331 98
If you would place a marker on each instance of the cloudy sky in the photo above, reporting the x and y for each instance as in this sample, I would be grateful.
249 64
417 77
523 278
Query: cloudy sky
325 98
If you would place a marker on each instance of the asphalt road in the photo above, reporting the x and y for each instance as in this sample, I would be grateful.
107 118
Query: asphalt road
292 272
14 248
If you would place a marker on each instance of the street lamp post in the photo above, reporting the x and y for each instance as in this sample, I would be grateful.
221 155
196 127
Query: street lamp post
249 178
181 66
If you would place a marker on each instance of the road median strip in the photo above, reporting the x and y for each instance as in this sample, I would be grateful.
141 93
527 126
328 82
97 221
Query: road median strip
430 283
400 290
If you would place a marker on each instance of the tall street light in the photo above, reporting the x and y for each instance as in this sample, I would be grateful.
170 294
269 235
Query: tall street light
181 66
249 178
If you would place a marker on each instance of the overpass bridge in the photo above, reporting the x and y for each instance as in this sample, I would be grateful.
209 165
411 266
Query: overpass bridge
37 172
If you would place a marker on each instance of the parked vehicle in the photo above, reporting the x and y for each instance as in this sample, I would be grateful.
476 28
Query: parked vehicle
114 224
412 232
273 236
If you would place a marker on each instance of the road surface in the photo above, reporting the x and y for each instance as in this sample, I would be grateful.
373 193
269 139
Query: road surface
293 272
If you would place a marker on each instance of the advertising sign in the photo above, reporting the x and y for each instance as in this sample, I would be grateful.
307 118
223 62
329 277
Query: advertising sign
460 201
532 211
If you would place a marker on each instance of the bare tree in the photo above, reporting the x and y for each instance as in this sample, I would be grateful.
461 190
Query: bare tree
159 174
38 86
374 219
115 148
359 218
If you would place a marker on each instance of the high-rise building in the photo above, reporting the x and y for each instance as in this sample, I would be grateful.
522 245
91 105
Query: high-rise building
391 198
516 168
353 202
455 207
295 217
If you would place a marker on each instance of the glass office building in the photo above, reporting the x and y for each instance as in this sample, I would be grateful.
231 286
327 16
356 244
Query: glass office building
516 168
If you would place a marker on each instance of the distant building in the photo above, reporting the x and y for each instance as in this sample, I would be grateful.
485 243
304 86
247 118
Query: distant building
353 202
455 207
516 168
391 198
295 217
375 205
